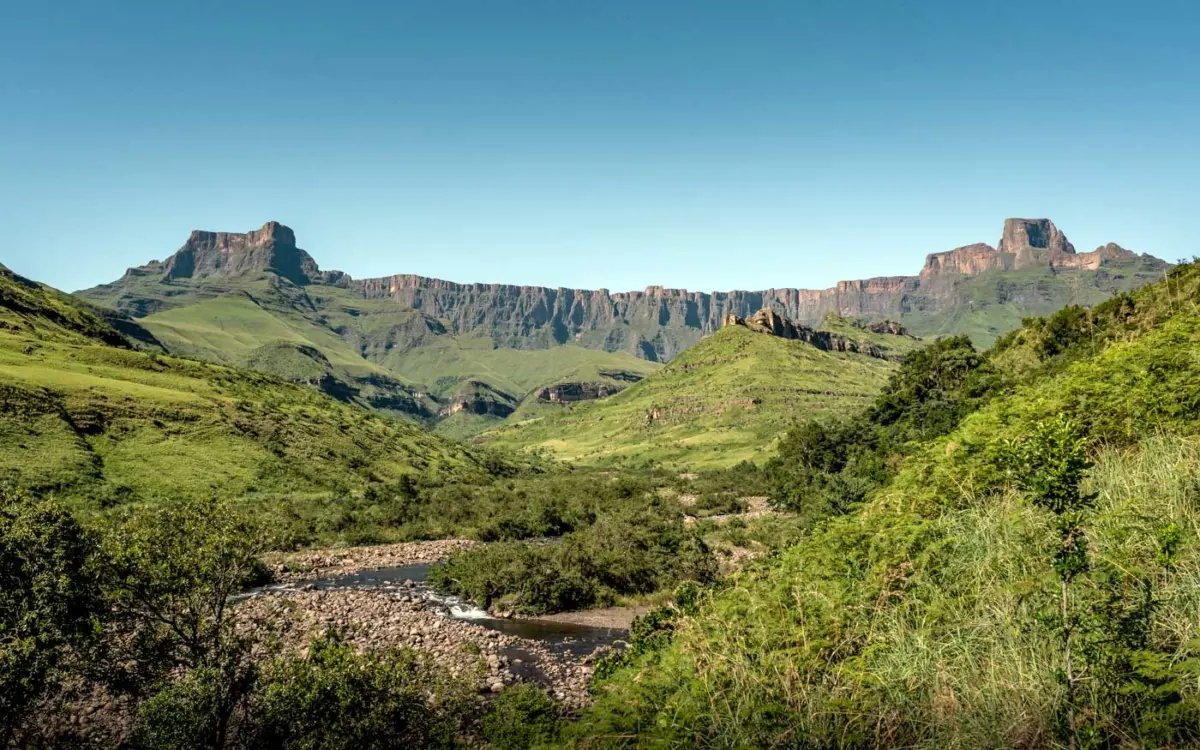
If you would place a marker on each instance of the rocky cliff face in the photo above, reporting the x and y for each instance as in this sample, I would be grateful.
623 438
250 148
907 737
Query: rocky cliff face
269 249
660 322
476 397
569 393
773 324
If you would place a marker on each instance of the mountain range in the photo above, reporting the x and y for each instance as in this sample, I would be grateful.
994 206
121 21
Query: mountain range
464 356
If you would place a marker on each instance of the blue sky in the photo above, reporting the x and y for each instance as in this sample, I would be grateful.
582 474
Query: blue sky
706 145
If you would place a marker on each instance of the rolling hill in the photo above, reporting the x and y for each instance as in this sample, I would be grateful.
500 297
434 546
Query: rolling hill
87 415
725 400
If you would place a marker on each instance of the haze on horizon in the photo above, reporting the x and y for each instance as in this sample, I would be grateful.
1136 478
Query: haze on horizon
700 145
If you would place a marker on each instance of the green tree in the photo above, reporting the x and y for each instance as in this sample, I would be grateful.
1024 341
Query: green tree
1049 466
172 576
50 600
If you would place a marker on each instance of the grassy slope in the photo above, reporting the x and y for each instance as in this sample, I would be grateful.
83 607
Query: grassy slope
230 329
722 401
917 621
96 421
515 371
238 321
994 303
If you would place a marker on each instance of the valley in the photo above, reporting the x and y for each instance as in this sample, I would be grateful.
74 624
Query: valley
254 476
599 376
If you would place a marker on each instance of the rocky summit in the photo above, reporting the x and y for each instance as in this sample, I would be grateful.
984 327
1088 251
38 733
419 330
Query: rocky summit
208 254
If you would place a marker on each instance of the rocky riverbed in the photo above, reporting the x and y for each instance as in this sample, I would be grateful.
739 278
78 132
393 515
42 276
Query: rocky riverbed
325 563
382 619
376 597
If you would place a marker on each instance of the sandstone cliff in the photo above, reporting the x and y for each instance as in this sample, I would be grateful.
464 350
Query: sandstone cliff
659 322
569 393
271 248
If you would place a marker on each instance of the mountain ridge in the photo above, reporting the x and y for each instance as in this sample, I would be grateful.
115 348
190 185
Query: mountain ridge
659 322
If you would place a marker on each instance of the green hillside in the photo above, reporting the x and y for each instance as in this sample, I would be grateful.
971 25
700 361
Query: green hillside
85 415
988 305
1024 571
372 353
722 401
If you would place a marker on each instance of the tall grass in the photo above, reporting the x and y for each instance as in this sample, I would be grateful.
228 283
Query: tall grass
890 630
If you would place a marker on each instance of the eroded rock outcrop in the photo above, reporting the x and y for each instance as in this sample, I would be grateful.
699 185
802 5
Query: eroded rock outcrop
272 248
1024 243
569 393
477 397
773 324
889 327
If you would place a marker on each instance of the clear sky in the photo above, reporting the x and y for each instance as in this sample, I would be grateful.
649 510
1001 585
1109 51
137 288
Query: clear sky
698 144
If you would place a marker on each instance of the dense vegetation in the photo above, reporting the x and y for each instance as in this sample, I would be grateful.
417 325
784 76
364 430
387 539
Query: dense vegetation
1017 565
618 555
828 468
139 611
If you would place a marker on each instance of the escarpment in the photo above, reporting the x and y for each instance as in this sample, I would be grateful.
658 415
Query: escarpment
955 291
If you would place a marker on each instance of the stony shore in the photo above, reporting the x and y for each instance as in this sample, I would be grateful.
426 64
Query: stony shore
382 619
322 563
375 620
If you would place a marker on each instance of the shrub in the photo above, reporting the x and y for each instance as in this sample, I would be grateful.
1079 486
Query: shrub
51 602
619 555
336 697
521 717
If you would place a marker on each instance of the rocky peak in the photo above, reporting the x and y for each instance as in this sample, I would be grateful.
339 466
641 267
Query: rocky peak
889 327
1033 242
272 248
1024 243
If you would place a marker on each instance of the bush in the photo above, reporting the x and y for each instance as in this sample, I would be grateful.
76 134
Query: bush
205 708
336 697
51 602
619 555
333 697
521 717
